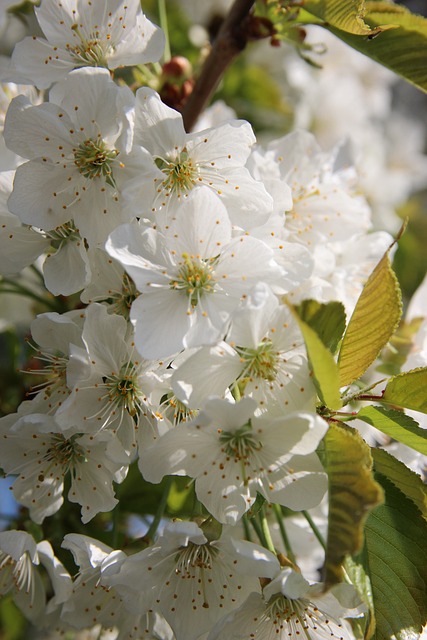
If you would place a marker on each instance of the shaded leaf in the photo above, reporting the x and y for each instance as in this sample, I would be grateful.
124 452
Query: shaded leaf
327 320
363 627
353 492
396 562
374 320
408 390
323 365
397 425
404 479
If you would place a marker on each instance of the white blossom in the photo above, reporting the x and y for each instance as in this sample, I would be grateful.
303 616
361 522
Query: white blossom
80 33
191 579
191 277
34 449
290 608
234 454
214 158
77 147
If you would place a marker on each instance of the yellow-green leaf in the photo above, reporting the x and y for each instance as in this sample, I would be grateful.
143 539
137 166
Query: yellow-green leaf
374 320
323 365
353 493
408 390
345 15
397 425
402 49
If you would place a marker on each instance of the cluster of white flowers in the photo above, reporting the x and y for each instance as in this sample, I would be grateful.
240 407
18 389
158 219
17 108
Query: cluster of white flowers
183 355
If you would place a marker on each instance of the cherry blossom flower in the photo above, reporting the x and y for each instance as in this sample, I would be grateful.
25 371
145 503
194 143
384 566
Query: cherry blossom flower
110 383
82 33
290 608
77 149
262 356
214 158
20 558
191 276
34 448
192 579
234 454
94 601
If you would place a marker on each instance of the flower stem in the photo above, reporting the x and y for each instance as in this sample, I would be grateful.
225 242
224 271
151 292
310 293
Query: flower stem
316 531
246 528
230 41
160 510
266 531
288 548
258 531
19 289
164 25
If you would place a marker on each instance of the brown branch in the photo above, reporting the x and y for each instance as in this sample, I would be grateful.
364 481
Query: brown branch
230 41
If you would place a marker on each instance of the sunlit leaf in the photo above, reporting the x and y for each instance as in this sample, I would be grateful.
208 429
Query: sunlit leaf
353 492
402 49
408 389
397 425
324 367
374 320
345 15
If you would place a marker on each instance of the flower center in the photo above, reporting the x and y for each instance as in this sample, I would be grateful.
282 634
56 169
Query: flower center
63 452
122 301
16 573
194 557
94 159
89 51
240 444
260 362
124 391
194 278
64 233
180 174
300 617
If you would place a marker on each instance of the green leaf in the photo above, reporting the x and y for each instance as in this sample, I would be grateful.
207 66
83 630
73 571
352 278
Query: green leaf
408 390
396 562
353 492
397 425
404 479
345 15
324 367
403 50
363 627
327 320
374 320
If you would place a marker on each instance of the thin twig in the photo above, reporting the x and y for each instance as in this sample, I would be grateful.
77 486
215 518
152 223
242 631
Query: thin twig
230 41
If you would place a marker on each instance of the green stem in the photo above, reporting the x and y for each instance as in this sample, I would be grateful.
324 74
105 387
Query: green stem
160 509
288 548
19 289
259 532
266 531
246 528
164 25
115 532
37 272
316 531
